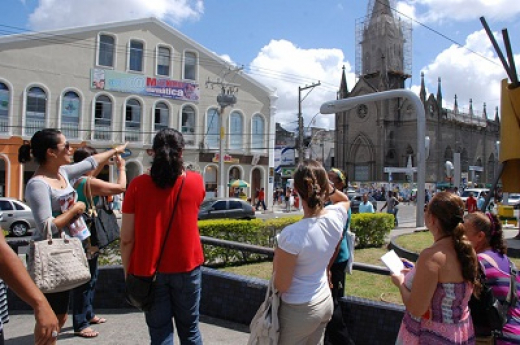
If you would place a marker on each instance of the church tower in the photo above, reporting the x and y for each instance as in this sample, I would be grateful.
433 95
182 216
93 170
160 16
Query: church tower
384 43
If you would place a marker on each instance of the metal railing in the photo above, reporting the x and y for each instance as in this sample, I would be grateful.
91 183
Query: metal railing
33 125
70 129
102 132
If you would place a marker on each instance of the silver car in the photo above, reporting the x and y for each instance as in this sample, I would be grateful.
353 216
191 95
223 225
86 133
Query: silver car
17 217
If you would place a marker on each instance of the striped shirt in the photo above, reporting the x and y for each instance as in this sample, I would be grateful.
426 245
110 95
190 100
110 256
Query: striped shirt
499 279
4 315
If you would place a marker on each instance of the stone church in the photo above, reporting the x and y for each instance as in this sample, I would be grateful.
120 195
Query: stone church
383 134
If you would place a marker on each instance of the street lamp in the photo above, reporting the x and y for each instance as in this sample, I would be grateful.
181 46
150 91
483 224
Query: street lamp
314 137
342 105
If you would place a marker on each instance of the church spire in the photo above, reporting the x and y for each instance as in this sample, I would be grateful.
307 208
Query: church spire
456 106
439 93
484 112
381 7
343 88
471 107
497 119
422 94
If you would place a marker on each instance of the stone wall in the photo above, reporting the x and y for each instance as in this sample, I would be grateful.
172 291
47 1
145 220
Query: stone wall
236 298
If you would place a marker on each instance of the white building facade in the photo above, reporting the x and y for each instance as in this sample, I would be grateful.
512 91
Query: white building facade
106 84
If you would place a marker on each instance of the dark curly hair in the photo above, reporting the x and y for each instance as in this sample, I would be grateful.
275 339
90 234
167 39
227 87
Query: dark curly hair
448 209
311 183
490 225
167 146
41 141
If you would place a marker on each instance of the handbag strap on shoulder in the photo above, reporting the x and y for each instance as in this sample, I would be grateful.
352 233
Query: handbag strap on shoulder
90 198
170 224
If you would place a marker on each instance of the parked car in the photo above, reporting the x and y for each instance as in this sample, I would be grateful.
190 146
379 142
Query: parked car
226 208
17 217
357 198
514 200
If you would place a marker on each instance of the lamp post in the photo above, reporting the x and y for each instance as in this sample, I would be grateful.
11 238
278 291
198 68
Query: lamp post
224 100
342 105
313 137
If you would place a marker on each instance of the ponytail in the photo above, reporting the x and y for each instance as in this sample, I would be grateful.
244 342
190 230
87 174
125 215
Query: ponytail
167 162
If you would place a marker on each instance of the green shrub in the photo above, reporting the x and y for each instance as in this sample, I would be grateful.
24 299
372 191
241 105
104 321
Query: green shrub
371 228
243 231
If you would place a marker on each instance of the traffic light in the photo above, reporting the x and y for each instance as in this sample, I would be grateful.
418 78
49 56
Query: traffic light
510 137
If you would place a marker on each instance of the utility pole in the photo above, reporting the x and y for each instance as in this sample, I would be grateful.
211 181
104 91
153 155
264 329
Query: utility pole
225 98
300 119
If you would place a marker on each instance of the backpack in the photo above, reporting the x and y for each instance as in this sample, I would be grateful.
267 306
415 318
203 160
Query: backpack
488 313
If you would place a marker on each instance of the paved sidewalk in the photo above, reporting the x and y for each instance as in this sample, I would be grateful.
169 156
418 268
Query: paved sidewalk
124 327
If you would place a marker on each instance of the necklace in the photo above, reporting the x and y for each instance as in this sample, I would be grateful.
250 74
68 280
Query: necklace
61 183
442 237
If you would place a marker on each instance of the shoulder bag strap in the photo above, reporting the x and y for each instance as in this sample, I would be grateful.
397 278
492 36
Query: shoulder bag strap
92 206
169 225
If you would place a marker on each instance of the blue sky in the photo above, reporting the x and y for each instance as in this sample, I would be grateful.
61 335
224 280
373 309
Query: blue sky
291 43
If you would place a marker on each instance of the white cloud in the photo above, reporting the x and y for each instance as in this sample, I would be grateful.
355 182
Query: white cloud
405 9
462 10
284 66
469 75
53 14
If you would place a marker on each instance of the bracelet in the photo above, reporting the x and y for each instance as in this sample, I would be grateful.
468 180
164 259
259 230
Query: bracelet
333 191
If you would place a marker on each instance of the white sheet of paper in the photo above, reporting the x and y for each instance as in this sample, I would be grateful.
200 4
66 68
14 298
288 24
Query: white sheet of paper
393 262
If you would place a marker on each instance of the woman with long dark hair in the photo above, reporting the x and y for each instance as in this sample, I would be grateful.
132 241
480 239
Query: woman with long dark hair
149 202
50 194
436 291
484 231
304 254
88 187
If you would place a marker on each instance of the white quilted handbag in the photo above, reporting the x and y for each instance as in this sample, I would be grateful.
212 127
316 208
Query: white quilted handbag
57 264
265 328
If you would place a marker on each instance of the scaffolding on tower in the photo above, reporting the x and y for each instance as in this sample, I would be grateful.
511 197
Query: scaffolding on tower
405 27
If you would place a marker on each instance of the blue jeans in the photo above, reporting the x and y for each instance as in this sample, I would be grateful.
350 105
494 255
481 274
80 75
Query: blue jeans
177 296
83 297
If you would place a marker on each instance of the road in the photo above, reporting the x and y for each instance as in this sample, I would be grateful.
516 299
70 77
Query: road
406 214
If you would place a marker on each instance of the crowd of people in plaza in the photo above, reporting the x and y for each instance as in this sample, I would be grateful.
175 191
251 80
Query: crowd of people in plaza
160 239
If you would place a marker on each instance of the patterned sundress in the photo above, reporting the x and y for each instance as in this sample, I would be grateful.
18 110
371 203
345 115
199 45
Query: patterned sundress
447 321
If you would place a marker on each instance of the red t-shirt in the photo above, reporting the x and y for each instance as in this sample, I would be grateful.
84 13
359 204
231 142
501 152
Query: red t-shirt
261 195
471 204
152 208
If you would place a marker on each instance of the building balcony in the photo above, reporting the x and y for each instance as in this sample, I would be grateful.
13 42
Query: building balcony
131 134
102 132
4 125
33 125
70 130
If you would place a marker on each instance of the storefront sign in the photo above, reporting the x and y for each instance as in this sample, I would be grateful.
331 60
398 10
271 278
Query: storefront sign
141 85
227 159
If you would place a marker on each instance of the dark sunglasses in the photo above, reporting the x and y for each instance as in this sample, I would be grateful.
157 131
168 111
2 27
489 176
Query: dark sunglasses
66 145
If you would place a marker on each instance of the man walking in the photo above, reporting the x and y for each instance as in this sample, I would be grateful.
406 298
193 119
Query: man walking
390 204
261 199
